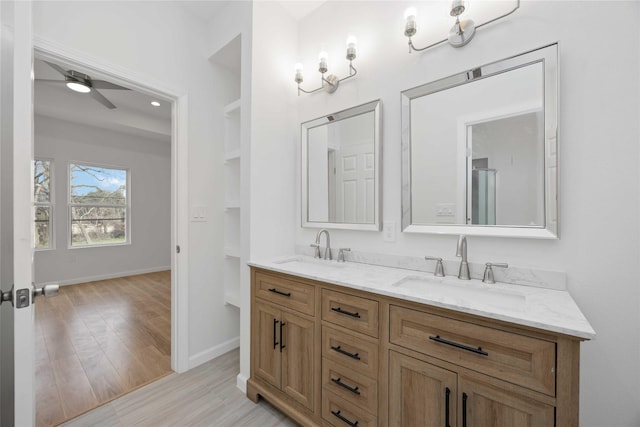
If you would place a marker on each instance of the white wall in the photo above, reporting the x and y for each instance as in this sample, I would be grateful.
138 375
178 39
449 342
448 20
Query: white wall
160 42
599 181
149 164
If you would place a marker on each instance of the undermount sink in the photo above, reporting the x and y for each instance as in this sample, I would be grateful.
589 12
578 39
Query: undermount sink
307 261
457 291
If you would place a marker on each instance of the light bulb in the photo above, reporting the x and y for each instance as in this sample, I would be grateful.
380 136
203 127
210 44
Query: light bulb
410 25
351 47
410 14
352 42
322 57
78 87
299 76
155 103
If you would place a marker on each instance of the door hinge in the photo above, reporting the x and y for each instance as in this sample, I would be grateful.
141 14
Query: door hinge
177 249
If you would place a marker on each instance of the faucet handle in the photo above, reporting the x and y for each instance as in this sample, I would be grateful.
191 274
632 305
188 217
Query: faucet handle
341 252
317 252
439 271
487 277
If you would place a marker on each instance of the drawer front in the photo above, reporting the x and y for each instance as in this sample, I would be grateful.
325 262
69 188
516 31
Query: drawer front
340 413
351 351
352 312
358 389
286 293
526 361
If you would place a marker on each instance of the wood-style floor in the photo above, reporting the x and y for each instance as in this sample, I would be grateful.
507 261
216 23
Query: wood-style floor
97 341
204 396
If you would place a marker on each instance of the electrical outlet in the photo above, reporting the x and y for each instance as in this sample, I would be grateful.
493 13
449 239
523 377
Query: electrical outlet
389 231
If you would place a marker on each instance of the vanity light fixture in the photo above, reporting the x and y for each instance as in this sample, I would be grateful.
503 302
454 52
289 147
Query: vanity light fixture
331 82
460 34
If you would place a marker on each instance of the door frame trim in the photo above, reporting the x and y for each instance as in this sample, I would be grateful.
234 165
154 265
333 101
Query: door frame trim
47 49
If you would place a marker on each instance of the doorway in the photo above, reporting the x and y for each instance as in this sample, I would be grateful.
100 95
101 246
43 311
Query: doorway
80 259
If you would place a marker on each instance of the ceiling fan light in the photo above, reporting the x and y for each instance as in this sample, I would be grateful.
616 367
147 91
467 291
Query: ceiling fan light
155 103
78 87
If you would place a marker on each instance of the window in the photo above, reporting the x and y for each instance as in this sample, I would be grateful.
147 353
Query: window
43 206
98 205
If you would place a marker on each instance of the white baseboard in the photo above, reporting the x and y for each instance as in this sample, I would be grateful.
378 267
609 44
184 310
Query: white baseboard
107 276
213 352
241 383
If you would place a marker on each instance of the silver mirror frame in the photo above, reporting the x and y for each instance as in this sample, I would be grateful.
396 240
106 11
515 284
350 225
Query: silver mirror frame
548 55
373 106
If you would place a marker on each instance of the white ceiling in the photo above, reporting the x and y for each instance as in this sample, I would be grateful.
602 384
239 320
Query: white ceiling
205 10
134 113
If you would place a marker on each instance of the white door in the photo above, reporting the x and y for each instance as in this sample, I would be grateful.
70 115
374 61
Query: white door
354 184
16 226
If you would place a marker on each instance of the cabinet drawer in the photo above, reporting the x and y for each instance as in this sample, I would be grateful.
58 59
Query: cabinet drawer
286 293
350 385
352 312
351 351
340 413
519 359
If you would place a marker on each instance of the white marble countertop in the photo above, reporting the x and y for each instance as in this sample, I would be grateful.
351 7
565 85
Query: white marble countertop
547 309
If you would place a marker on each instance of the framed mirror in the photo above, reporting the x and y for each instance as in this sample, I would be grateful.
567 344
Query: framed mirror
480 150
341 155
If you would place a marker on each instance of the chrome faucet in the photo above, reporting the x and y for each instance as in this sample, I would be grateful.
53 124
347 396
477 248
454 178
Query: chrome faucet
327 250
461 251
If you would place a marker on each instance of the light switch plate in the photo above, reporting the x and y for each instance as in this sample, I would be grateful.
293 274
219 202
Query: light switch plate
389 231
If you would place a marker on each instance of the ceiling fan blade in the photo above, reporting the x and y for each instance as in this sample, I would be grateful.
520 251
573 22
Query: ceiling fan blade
50 81
57 68
102 84
101 99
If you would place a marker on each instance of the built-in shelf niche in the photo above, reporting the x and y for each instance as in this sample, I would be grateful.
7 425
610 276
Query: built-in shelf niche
227 65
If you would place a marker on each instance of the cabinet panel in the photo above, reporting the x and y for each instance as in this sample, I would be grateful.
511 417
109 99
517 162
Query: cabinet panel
287 293
353 312
298 355
341 413
350 385
420 394
351 351
267 356
523 360
485 405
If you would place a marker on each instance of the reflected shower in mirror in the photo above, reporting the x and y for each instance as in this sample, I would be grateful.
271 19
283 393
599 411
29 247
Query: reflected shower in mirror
340 162
479 150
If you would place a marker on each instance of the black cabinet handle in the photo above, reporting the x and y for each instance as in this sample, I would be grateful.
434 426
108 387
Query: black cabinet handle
275 342
275 291
282 325
346 353
447 394
478 350
343 419
464 409
353 390
348 313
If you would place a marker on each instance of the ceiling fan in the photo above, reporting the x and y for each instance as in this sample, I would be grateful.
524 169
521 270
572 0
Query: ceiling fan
82 83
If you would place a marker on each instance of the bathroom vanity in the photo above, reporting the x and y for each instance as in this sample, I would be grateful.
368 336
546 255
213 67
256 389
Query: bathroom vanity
346 344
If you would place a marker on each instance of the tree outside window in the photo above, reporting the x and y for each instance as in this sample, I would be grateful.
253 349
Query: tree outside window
42 185
98 205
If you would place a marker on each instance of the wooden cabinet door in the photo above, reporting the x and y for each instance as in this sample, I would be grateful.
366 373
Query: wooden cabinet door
266 354
484 405
298 339
420 394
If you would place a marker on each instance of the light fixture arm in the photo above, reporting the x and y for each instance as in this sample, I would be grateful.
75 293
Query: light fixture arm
331 82
413 48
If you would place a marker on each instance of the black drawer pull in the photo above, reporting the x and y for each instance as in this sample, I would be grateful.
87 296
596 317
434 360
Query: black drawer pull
275 341
346 353
284 294
353 390
348 313
343 419
478 350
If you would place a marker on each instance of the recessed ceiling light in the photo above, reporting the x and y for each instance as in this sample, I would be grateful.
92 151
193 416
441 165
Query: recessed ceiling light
78 87
155 103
